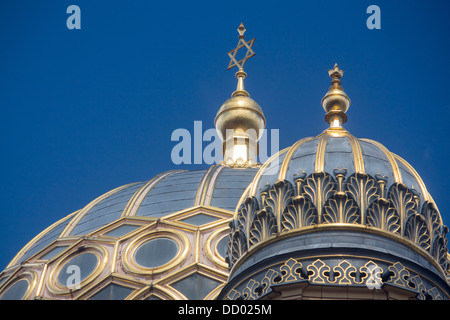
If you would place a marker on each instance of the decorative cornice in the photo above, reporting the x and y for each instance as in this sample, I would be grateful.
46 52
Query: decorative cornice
323 200
349 271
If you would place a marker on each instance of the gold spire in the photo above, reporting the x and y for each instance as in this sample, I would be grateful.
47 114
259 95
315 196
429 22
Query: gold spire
240 120
241 75
336 102
336 74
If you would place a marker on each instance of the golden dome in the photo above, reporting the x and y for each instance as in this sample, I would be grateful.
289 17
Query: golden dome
145 240
330 195
334 203
239 113
336 164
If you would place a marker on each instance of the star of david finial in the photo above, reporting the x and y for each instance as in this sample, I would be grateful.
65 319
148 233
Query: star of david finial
241 44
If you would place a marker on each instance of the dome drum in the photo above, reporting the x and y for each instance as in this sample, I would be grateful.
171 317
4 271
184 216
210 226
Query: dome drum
338 265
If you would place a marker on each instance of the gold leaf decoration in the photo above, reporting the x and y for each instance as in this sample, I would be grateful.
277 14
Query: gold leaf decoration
416 230
318 269
246 214
345 273
381 215
370 273
290 270
341 209
403 201
277 199
299 213
249 291
363 189
263 227
439 251
318 188
432 219
267 281
237 246
320 199
336 272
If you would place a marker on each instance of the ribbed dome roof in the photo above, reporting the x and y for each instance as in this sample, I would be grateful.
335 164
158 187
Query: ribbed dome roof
116 235
338 149
165 194
328 195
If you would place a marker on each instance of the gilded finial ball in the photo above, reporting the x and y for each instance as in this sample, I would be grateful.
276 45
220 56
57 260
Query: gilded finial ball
336 102
240 113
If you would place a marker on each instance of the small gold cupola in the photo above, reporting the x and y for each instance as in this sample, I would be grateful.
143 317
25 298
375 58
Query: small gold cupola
336 102
240 120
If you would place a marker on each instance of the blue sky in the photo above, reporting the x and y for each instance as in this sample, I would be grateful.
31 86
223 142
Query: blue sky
85 111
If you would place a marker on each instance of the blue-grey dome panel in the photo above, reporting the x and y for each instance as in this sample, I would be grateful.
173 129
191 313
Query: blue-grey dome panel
375 161
229 187
303 159
338 153
47 238
106 211
269 174
408 179
173 193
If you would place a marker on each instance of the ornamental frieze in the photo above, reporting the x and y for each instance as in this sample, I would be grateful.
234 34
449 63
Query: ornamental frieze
321 199
344 272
